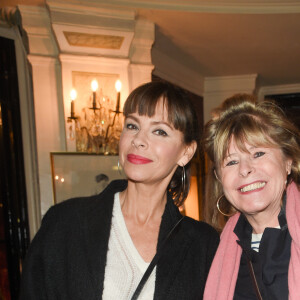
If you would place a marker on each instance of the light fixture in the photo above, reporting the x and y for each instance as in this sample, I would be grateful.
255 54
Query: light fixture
98 128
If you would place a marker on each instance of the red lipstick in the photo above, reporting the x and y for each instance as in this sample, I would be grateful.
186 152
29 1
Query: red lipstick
138 160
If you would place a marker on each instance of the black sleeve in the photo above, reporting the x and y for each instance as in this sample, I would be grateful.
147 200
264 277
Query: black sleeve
33 281
212 247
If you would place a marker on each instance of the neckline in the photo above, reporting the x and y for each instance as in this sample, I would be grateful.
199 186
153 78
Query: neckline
126 236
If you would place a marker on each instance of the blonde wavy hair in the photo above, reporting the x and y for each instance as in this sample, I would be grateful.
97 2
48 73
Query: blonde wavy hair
259 124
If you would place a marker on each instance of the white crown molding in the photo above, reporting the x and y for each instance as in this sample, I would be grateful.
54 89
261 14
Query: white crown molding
278 89
86 15
36 24
42 60
221 6
230 84
90 8
93 60
171 70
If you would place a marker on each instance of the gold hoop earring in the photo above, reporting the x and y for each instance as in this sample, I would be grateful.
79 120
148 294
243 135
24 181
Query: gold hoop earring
183 178
218 207
119 168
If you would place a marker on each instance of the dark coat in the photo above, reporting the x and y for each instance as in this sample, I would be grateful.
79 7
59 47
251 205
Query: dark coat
67 257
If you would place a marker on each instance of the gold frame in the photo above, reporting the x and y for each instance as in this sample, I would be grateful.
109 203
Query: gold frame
76 174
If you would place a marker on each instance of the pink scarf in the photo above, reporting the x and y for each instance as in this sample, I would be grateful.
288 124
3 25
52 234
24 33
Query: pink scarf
223 274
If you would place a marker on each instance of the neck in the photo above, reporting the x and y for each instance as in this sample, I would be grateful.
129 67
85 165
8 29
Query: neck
143 203
261 221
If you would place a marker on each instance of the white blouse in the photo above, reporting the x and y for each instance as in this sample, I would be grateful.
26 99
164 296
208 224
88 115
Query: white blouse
125 266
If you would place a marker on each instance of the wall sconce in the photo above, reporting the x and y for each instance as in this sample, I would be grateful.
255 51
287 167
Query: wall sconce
99 127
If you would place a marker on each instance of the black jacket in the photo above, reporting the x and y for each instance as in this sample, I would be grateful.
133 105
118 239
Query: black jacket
67 257
270 264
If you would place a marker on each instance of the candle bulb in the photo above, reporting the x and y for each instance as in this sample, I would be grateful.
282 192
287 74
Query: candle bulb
73 95
94 86
118 87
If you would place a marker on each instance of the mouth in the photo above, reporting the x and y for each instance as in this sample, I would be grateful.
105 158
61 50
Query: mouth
138 160
253 186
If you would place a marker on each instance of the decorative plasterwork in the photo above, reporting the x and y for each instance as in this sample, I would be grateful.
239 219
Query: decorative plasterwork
75 39
10 15
216 6
36 24
94 40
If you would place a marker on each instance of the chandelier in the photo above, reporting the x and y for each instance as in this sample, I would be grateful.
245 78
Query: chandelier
98 127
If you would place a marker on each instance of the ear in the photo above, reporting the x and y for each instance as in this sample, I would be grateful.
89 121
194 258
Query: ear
188 153
289 166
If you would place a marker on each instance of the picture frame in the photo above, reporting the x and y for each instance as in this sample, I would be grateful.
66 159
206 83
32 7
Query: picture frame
76 174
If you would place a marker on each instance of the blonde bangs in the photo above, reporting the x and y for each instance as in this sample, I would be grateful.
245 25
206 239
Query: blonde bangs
243 129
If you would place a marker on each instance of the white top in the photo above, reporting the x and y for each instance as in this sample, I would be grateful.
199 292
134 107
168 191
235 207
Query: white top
125 266
255 242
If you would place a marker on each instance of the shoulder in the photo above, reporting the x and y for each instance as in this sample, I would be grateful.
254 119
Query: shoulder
203 240
73 212
84 204
199 228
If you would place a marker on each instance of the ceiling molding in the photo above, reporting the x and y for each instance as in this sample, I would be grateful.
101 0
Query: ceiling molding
232 84
90 8
239 7
278 89
175 72
36 24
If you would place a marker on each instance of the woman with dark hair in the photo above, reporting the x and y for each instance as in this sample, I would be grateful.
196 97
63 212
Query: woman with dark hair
253 188
100 247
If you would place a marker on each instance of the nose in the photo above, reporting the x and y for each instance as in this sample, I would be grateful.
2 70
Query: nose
139 140
245 168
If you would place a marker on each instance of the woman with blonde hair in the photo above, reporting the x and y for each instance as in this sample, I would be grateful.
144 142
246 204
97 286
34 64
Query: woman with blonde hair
253 188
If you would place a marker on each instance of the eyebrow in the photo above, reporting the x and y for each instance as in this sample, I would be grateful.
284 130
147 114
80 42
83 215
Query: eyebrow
235 153
152 122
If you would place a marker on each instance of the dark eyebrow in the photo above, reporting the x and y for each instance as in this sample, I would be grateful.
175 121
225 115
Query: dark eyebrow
163 123
153 122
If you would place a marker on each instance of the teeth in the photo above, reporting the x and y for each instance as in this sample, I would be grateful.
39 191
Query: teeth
253 186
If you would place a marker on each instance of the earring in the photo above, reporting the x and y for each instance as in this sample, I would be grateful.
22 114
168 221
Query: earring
218 207
119 168
183 178
216 175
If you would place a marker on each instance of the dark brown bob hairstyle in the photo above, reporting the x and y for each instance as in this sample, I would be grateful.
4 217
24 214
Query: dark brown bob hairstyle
181 114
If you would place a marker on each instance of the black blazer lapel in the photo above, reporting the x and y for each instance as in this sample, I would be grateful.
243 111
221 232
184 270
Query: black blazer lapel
97 226
170 263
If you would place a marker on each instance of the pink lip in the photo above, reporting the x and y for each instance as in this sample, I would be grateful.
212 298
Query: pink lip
251 191
138 160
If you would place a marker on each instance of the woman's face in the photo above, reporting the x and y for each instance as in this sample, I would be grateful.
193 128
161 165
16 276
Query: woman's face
254 182
150 149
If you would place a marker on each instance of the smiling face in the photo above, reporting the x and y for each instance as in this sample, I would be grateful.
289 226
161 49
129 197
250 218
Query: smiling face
150 148
254 181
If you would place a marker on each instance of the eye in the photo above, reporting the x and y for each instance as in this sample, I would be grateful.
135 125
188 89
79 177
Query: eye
258 154
160 132
231 163
131 126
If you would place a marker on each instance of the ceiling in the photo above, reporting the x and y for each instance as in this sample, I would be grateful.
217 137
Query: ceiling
224 38
232 44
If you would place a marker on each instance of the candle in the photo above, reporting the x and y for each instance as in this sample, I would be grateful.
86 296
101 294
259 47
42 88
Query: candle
118 86
73 95
94 86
